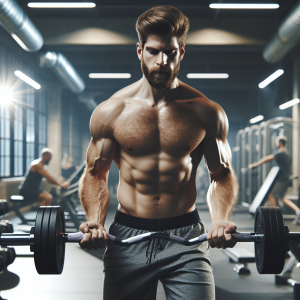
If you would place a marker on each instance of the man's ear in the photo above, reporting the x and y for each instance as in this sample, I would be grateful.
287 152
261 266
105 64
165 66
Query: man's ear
139 49
181 52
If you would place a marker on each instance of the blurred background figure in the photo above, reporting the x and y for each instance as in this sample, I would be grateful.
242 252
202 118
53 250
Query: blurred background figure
30 186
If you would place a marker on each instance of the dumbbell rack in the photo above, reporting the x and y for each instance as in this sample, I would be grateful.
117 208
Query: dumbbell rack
7 254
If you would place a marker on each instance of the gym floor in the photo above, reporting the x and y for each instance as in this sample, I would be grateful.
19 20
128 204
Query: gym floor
82 276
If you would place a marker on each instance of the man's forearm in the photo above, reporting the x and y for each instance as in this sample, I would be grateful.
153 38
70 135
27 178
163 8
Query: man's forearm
222 195
94 196
258 163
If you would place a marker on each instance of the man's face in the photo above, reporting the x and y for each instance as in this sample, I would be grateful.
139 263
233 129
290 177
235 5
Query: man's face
47 158
160 60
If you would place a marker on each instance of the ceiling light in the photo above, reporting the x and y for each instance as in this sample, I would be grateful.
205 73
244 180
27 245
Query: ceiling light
256 119
243 6
61 4
27 79
271 78
289 103
109 75
207 75
5 96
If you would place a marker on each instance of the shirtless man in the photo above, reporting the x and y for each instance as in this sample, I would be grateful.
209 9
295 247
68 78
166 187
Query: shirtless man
30 186
157 130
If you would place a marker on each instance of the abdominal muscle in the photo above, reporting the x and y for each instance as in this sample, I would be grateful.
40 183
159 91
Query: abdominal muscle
156 186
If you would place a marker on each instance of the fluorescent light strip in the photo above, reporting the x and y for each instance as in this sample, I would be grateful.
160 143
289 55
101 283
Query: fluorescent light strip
207 75
109 75
271 78
243 6
256 119
61 4
289 103
27 79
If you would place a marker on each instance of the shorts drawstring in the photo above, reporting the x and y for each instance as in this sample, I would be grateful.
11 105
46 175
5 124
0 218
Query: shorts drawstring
152 242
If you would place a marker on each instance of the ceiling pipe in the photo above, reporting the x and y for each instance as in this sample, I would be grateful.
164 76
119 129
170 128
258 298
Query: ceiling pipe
286 37
63 69
15 21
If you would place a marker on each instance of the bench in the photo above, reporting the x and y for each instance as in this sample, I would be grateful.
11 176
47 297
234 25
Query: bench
241 257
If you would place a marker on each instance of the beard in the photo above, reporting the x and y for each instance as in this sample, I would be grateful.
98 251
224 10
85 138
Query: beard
160 77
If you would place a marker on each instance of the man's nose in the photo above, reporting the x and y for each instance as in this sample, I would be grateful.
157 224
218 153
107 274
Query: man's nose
162 59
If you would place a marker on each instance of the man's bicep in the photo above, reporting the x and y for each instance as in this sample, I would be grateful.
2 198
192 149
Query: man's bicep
217 154
100 155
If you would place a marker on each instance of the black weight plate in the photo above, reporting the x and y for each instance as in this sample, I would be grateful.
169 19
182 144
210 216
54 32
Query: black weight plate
45 242
275 265
56 246
270 251
263 248
282 240
38 254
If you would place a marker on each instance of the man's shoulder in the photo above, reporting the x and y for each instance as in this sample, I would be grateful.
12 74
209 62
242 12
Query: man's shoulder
109 107
36 165
211 113
105 115
199 100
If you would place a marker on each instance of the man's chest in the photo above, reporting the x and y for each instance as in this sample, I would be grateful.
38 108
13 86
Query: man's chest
175 130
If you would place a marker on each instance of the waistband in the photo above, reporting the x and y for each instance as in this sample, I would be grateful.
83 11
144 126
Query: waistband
157 224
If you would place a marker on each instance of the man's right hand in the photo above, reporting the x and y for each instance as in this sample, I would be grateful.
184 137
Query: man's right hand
95 236
250 167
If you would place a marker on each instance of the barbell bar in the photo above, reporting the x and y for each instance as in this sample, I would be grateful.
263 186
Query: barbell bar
47 239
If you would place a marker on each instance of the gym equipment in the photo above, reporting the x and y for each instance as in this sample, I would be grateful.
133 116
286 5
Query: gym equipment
253 143
47 239
265 189
241 257
3 207
6 227
16 201
7 257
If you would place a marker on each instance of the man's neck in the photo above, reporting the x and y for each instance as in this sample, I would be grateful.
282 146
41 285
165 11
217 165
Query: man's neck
157 96
281 149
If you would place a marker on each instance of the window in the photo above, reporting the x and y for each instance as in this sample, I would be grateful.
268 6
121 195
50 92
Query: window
42 129
5 141
23 122
18 140
23 132
30 134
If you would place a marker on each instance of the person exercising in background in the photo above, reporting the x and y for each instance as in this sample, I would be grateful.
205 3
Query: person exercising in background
30 186
157 130
284 161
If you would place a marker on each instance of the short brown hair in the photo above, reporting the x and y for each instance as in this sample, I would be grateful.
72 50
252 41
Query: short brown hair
281 139
162 20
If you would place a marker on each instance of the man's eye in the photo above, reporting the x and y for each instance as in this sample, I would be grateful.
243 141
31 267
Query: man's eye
171 52
153 52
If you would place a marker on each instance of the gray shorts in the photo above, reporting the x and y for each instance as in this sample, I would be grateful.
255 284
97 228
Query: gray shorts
280 188
133 272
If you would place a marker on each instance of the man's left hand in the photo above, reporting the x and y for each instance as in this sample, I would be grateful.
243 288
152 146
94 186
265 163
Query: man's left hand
219 235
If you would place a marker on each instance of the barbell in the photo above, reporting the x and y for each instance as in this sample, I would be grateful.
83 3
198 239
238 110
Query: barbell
47 239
